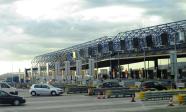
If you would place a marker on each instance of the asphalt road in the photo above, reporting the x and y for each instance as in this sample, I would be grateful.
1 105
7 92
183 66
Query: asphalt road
82 103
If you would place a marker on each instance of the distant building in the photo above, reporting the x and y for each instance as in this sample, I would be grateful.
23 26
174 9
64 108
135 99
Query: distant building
13 77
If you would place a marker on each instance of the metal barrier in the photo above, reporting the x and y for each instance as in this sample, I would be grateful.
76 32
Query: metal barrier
114 92
121 93
159 95
97 91
78 89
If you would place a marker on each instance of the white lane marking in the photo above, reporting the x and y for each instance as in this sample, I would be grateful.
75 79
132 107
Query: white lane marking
80 104
76 100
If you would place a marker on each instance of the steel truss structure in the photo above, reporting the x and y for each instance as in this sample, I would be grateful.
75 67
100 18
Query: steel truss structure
154 38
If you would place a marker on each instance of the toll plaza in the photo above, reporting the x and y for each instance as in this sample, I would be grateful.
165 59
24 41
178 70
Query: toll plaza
110 57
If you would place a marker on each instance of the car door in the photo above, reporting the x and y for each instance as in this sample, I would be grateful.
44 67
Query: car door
5 98
45 90
1 98
38 89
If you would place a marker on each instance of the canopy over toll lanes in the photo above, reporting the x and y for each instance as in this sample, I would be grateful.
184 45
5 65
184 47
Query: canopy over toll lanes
139 45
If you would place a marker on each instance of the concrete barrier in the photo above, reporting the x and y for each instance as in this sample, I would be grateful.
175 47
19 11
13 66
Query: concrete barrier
180 99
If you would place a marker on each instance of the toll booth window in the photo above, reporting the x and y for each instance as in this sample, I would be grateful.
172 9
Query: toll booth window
164 38
149 41
135 43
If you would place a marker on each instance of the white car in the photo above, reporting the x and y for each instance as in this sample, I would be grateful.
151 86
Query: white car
7 88
45 89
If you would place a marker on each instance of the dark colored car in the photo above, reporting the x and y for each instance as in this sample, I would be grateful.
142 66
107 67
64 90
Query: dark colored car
152 85
110 85
6 98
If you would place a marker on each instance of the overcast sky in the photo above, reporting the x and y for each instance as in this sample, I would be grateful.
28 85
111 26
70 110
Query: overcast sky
32 27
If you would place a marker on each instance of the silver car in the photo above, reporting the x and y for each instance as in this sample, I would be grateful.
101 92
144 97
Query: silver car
45 89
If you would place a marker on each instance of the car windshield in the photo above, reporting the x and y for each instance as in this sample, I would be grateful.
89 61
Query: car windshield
2 93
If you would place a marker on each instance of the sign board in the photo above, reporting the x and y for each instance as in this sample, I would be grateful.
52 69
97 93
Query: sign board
180 85
173 60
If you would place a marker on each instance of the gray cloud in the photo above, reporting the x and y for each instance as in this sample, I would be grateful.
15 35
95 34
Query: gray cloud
49 35
7 1
168 9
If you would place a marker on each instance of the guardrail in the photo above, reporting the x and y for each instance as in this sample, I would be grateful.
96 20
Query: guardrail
159 95
77 89
121 93
113 92
96 91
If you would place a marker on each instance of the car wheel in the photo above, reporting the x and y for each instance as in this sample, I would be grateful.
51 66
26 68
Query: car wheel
16 102
53 93
33 93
